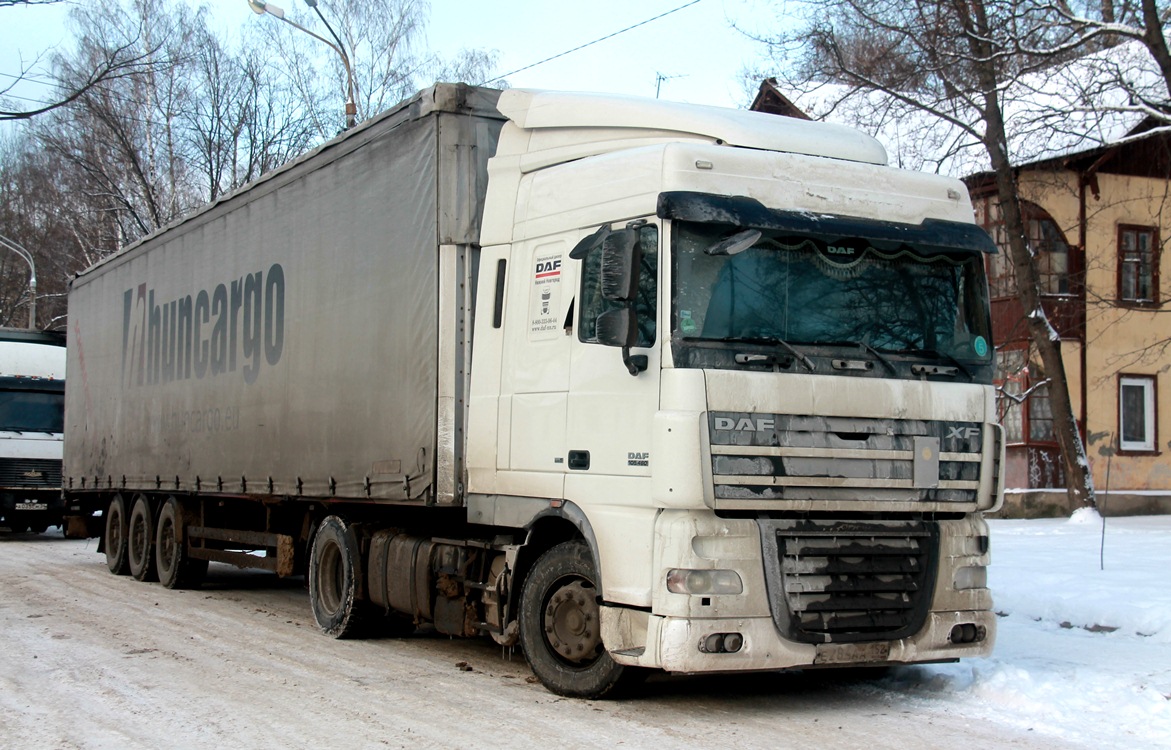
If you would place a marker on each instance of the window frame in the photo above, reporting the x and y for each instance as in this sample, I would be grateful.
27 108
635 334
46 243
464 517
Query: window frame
1154 263
1149 446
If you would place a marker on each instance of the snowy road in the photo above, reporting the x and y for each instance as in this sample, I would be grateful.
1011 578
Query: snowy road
90 660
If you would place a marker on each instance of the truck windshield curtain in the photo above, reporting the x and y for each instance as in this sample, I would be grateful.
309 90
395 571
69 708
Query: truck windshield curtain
37 410
819 289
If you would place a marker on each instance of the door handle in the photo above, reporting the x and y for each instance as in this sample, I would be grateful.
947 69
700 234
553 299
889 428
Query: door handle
579 460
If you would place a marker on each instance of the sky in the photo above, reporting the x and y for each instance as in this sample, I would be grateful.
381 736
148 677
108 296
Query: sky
692 54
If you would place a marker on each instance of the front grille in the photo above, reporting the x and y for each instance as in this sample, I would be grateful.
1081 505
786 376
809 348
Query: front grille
849 581
790 457
36 473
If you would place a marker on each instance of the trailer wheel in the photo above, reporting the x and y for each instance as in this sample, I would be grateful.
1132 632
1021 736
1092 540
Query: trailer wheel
117 560
177 569
560 628
140 541
335 569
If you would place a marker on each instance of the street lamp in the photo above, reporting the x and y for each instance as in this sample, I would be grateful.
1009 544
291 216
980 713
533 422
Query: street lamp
32 279
260 8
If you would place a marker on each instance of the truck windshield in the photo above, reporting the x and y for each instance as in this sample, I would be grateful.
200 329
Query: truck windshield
32 410
814 292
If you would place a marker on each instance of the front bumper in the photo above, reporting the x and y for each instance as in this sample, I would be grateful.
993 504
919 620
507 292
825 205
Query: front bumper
638 638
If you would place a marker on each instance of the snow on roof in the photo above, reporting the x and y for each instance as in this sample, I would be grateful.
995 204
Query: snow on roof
1060 111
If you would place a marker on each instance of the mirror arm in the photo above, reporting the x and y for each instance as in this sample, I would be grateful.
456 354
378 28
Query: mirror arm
634 364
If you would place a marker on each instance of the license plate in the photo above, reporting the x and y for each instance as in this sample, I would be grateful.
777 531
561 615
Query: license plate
32 506
851 653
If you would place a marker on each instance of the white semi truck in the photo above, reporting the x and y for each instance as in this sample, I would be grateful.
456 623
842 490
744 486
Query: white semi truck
633 384
32 418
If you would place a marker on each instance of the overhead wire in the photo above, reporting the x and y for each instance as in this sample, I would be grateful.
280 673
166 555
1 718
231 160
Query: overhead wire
589 44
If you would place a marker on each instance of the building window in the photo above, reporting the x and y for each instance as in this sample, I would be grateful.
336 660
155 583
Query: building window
1138 265
1010 380
1041 417
1023 405
1046 243
1136 413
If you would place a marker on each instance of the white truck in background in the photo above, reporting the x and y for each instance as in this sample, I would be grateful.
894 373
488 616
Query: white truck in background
633 384
32 419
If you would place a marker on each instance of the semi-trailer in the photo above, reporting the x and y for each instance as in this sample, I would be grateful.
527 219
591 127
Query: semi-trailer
632 384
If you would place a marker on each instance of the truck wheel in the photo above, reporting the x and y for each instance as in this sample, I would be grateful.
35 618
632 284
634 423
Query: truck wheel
115 538
335 569
560 628
177 570
140 541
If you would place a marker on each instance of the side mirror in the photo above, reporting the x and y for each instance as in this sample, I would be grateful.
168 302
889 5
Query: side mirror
620 328
620 262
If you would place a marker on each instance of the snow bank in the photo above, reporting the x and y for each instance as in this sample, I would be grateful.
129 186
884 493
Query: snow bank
1082 653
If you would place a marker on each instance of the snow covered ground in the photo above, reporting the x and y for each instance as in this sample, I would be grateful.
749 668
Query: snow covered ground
94 661
1083 654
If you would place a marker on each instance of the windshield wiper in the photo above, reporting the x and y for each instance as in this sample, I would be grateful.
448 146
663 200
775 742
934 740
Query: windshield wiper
761 340
940 355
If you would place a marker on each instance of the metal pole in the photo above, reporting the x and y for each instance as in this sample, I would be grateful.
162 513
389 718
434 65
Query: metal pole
261 8
32 280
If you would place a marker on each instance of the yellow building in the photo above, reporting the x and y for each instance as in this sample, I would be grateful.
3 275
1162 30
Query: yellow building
1096 220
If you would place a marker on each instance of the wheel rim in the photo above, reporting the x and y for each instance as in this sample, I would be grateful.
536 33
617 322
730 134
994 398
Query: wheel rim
137 538
571 623
167 543
332 576
114 540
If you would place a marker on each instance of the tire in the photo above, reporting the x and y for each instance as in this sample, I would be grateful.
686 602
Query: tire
177 570
117 559
140 541
560 626
335 580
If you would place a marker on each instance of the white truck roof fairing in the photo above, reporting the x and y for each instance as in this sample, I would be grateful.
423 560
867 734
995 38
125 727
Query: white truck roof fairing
25 358
605 113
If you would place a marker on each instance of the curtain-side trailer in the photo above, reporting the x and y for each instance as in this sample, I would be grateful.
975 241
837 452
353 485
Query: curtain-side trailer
630 383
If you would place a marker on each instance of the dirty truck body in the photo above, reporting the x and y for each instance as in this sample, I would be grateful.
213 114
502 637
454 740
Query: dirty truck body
32 416
631 383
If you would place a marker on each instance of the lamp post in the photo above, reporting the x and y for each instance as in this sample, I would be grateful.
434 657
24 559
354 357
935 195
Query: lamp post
32 279
260 7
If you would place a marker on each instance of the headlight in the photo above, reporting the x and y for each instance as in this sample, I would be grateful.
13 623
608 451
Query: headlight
704 582
972 578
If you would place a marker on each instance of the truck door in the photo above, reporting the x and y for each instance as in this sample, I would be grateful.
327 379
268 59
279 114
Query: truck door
535 375
610 411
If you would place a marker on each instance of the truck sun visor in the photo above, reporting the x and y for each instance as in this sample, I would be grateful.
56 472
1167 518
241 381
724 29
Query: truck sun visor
742 211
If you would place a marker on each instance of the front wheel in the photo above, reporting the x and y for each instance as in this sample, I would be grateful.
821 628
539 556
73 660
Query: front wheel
560 625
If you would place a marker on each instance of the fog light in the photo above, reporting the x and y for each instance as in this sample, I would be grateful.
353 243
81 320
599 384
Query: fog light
968 633
703 582
971 578
721 643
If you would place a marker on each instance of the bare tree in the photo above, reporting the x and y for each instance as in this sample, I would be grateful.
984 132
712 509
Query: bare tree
948 64
117 61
